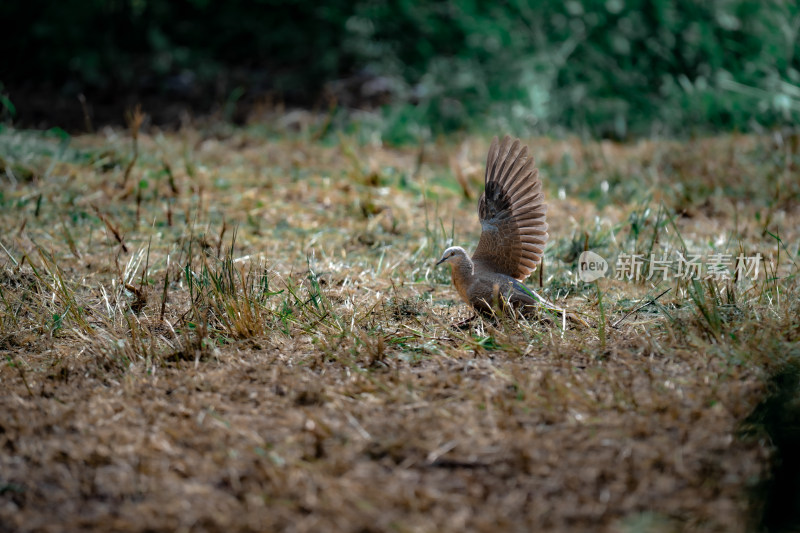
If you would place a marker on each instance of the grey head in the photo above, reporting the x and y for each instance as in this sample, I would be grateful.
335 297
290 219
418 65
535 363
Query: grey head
454 255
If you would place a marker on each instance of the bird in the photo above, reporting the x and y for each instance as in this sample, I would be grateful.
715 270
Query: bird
512 213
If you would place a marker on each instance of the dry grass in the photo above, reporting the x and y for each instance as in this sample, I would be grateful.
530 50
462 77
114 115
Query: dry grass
226 331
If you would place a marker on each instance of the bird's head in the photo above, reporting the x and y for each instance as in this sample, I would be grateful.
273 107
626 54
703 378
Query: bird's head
453 255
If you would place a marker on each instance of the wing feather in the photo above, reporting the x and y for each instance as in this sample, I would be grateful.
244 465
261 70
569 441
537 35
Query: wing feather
512 212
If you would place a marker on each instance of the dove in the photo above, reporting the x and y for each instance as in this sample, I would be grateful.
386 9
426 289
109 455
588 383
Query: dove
512 213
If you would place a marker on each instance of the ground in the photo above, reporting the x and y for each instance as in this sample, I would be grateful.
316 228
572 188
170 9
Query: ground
242 329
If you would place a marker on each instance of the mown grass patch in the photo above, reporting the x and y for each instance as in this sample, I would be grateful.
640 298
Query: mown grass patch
221 330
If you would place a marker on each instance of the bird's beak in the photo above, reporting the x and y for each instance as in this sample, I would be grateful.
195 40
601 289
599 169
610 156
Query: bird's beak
439 262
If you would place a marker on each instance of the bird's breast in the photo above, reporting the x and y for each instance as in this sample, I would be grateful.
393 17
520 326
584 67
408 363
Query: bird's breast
461 283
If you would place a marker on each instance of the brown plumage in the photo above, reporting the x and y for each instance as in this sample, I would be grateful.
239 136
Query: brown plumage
513 234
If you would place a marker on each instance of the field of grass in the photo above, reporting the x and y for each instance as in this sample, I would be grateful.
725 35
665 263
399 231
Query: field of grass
243 330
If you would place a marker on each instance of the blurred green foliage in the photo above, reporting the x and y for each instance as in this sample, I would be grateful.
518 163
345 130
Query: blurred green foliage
610 67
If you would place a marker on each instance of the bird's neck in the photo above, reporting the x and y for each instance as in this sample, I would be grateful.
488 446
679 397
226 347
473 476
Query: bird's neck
462 275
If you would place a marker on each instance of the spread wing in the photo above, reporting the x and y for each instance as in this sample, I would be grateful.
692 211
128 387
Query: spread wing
512 212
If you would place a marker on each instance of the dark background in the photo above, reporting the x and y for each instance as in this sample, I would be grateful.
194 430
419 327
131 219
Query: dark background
609 68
